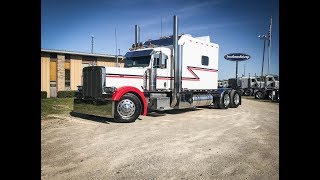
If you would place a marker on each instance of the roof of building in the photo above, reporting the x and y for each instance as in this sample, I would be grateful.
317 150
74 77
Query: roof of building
80 53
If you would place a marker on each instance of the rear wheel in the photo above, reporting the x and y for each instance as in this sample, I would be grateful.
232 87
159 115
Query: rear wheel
127 109
235 99
224 102
247 92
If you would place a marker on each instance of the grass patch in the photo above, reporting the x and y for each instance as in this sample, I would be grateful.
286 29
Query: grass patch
56 106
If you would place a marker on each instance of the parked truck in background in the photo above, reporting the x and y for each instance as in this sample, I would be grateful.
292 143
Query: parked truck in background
268 88
175 72
249 84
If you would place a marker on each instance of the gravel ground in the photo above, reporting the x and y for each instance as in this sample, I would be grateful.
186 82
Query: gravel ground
241 143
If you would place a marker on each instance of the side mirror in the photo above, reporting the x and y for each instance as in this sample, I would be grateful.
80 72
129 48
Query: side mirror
162 60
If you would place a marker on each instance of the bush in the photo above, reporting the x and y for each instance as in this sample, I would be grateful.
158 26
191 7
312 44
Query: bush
43 94
65 94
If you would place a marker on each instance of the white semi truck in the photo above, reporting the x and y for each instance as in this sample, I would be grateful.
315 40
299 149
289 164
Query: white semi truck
248 84
175 72
268 88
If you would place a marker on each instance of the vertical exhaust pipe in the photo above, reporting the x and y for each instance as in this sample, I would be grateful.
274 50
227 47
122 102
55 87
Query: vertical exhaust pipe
176 65
137 35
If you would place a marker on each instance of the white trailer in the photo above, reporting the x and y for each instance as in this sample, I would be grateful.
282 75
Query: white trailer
173 72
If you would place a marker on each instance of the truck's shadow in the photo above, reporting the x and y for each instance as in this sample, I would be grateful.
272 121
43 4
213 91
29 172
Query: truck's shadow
173 111
93 118
152 114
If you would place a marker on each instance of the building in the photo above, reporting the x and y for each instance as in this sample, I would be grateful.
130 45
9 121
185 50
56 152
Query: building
62 70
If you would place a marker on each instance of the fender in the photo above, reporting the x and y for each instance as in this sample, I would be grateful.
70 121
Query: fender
129 89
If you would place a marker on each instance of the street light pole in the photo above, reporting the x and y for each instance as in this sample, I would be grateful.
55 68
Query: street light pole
236 69
264 37
117 58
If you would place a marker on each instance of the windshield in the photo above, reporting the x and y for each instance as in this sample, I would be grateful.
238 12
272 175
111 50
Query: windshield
276 78
258 79
142 61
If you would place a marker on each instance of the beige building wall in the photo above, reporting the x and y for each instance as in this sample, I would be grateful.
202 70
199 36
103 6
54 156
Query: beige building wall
75 71
45 73
56 70
109 62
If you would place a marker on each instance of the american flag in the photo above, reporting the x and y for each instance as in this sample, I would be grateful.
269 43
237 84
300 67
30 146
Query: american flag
269 36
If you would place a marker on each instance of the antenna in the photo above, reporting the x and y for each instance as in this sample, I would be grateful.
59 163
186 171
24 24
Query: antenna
115 34
161 29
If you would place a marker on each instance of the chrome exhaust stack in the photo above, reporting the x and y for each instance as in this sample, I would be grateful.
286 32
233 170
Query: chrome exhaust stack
137 36
176 65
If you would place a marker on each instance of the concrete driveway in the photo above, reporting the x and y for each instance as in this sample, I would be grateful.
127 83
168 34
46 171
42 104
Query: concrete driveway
241 143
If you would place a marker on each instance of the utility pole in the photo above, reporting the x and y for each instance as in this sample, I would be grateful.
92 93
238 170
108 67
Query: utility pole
269 44
236 69
115 34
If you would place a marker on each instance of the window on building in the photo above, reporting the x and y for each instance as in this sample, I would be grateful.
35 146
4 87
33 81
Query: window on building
53 70
53 73
205 60
53 56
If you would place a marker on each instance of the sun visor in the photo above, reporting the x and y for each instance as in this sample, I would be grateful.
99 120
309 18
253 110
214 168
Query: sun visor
138 53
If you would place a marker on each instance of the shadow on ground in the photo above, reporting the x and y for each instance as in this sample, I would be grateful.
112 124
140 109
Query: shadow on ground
95 118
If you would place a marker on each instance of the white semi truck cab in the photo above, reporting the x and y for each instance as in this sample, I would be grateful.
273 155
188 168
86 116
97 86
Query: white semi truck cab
268 88
174 72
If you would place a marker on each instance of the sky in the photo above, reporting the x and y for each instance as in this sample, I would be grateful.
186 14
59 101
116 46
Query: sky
233 25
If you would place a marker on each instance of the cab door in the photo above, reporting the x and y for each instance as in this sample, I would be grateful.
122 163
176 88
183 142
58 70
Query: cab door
160 62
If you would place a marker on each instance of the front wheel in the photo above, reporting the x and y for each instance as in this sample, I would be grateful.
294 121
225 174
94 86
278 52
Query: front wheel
127 109
259 95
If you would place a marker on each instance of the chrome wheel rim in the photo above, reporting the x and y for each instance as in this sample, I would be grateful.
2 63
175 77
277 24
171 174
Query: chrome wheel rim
259 95
236 98
126 108
226 99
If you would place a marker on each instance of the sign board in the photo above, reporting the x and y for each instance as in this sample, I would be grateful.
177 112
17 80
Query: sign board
237 57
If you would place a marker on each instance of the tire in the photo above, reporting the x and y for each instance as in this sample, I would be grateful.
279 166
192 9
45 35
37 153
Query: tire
235 99
224 102
269 95
247 92
259 95
127 109
241 91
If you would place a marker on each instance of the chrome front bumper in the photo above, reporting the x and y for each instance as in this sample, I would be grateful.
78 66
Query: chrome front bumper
103 108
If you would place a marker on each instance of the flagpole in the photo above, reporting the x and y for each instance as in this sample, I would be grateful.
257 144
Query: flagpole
269 44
